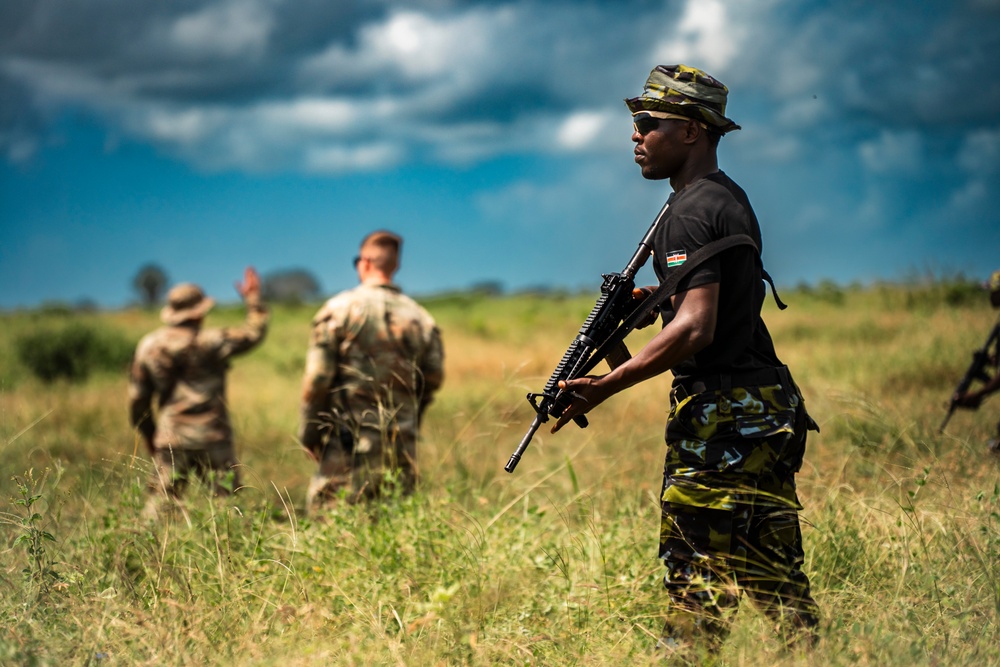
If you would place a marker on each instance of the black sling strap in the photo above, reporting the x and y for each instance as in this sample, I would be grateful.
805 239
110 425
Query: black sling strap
614 349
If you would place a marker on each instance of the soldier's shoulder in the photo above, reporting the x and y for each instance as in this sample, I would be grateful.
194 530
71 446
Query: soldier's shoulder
154 339
212 336
164 341
335 306
417 311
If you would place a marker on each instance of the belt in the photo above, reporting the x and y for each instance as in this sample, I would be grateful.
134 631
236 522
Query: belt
726 381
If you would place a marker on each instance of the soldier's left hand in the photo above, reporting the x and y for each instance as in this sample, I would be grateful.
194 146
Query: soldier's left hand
967 400
586 392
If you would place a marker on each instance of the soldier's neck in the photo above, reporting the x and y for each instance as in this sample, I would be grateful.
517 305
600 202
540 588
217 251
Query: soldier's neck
376 280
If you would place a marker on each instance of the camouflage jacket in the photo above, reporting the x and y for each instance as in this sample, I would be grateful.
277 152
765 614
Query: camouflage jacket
185 367
375 361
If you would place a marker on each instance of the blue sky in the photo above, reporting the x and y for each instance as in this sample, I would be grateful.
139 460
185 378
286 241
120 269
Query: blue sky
206 135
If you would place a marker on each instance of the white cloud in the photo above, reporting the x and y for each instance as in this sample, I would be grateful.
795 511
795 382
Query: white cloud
235 28
803 113
781 148
338 159
414 47
188 126
980 151
811 215
17 149
580 130
311 114
705 37
979 159
970 196
57 83
900 152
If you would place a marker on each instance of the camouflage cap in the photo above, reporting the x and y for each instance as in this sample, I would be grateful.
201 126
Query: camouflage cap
185 302
685 91
993 284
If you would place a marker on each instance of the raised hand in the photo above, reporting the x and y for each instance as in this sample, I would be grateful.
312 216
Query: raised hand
249 289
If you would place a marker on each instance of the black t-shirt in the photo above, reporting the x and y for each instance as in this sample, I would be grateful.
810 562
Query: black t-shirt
707 210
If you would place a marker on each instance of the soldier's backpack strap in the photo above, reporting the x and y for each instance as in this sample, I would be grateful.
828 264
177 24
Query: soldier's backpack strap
614 349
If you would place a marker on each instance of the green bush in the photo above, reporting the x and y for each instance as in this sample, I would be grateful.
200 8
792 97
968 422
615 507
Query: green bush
72 352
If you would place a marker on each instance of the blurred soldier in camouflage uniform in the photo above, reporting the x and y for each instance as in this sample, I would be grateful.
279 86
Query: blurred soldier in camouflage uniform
736 433
974 397
184 366
375 361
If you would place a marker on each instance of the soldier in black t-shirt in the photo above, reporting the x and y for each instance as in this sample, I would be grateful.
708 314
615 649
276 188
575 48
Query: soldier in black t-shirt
737 428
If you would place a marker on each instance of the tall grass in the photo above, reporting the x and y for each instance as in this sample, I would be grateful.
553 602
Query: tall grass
553 565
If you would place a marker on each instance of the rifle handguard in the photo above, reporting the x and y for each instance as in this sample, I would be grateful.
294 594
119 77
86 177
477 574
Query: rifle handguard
611 308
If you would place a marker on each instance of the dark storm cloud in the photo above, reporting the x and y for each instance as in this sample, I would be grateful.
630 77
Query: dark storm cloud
244 83
176 50
870 129
893 64
137 65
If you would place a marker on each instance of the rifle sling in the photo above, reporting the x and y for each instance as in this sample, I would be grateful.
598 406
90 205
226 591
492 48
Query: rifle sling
613 348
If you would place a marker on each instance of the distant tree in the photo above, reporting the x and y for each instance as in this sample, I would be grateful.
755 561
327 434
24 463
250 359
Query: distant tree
487 288
151 284
290 286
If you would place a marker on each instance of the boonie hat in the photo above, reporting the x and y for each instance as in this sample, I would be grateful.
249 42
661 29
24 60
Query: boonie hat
685 91
993 284
185 302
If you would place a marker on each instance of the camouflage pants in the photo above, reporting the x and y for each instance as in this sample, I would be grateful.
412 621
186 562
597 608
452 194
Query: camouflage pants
363 469
173 468
729 512
216 464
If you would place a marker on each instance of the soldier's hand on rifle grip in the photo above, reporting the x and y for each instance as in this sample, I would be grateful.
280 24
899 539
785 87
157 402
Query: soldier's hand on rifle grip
640 294
586 395
970 399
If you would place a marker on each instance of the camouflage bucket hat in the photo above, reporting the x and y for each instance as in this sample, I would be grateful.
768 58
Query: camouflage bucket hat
685 91
185 302
993 284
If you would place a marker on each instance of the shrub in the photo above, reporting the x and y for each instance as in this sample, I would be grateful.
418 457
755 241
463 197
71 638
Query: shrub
72 352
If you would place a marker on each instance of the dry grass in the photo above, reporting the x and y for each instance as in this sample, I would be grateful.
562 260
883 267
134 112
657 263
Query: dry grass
551 565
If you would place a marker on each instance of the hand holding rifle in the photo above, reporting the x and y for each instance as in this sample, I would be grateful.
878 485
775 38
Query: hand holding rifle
981 358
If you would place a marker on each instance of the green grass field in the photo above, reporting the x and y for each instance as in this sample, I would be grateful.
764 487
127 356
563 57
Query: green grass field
553 565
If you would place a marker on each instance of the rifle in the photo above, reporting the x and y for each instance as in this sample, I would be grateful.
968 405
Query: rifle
976 371
590 346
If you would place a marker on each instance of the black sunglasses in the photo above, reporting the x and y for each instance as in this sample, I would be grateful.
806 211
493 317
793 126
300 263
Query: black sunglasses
645 124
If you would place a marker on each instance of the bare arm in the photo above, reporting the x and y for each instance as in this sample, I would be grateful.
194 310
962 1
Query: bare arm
972 399
690 331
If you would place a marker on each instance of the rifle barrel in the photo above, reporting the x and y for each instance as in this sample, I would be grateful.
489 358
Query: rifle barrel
516 456
947 417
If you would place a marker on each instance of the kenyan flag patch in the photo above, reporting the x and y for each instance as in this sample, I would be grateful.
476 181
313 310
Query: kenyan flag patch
676 257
